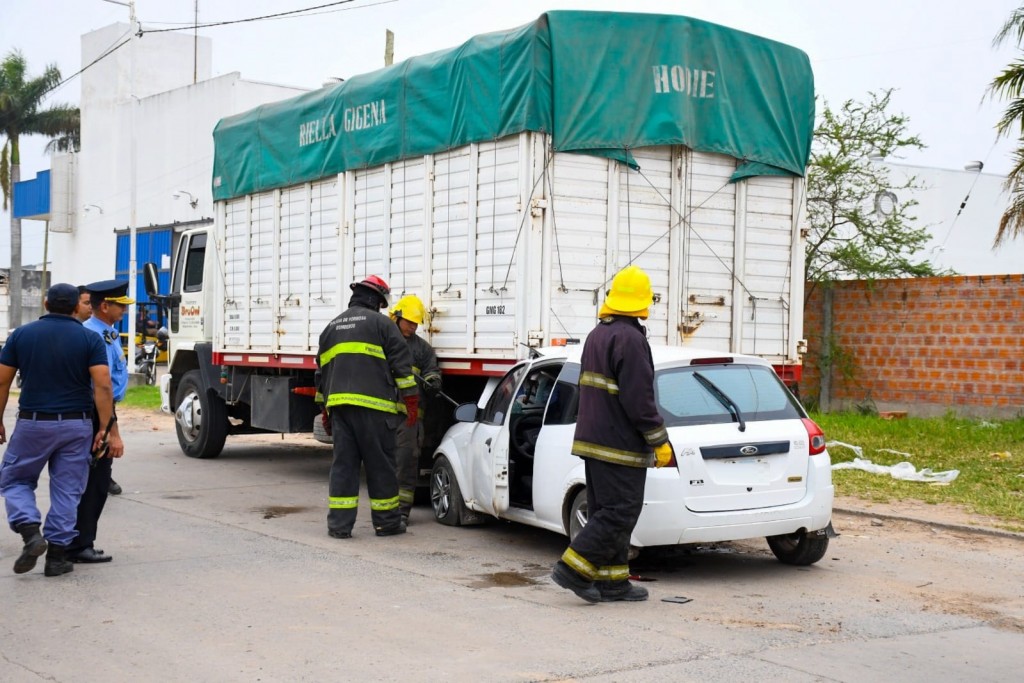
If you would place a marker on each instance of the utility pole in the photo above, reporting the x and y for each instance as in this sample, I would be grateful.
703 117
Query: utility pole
133 102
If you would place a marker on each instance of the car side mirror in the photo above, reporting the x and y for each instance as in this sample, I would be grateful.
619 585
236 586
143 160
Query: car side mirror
467 412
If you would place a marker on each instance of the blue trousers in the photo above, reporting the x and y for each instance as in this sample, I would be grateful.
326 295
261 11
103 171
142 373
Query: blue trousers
63 445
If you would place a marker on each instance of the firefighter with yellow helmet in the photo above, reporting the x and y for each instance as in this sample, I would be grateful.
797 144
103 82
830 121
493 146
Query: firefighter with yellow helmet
409 313
619 434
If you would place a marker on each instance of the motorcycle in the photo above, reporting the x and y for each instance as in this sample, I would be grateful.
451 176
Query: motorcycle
146 353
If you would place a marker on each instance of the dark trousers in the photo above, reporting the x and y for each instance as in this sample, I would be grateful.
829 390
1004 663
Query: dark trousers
367 437
615 499
407 457
93 499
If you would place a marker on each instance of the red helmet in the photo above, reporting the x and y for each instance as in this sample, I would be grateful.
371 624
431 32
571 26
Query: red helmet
377 285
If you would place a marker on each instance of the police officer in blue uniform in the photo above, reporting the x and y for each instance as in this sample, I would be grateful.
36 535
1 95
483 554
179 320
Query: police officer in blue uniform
109 302
64 374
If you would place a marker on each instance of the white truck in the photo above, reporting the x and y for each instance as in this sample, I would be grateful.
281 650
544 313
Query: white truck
508 222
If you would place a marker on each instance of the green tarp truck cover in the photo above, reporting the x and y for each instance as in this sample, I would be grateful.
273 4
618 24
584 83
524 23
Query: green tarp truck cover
598 82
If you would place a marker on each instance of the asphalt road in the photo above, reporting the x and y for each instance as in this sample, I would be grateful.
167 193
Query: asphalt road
223 571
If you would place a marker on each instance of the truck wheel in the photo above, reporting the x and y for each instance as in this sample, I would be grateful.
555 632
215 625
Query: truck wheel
801 548
577 517
445 496
201 418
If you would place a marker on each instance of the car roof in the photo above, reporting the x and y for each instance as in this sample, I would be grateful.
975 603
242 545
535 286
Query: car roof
663 355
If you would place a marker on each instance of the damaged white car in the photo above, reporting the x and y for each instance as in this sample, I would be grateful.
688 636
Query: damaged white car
749 462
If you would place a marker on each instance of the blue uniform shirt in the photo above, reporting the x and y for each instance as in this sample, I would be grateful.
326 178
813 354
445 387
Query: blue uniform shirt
54 355
115 355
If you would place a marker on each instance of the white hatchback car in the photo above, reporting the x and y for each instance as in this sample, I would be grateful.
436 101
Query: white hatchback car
749 461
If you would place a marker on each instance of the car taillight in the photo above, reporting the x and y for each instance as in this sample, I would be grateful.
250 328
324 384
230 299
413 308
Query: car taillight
815 437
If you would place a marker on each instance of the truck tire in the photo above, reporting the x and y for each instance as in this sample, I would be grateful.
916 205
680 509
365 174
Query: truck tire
200 418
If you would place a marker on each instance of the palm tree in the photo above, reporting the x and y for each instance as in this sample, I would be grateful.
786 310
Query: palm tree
1009 85
22 113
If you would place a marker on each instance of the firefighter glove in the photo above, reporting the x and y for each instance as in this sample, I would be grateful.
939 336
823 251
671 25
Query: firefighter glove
663 454
412 407
325 420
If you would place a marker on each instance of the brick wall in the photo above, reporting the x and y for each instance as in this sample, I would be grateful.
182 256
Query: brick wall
926 345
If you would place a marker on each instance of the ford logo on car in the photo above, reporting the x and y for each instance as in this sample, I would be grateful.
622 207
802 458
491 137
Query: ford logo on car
748 450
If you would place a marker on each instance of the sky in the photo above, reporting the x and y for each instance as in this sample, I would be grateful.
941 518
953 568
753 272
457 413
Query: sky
936 54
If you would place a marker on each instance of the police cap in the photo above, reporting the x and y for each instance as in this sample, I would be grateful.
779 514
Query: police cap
115 291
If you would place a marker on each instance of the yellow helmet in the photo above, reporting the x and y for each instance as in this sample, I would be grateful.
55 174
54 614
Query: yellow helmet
410 308
631 291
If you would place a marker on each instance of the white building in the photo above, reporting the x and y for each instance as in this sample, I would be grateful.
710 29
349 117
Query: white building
961 239
176 106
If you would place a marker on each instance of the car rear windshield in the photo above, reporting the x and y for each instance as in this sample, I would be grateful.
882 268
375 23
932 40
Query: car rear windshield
756 390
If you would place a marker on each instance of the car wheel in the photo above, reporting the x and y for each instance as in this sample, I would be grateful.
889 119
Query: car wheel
578 515
801 548
445 496
201 418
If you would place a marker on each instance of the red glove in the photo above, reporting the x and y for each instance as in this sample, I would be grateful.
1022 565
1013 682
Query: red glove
325 420
412 409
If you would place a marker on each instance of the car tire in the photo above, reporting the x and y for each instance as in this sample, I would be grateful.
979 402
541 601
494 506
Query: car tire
205 440
577 515
800 549
445 495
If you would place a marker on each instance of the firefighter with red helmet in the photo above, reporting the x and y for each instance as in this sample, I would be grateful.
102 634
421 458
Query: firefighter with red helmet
365 380
409 313
619 434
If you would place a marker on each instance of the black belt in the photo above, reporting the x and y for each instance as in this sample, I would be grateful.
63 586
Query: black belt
52 417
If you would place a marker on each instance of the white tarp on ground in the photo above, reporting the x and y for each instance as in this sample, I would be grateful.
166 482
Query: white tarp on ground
901 470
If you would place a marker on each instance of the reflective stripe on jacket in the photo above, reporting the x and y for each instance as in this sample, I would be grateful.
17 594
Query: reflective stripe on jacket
364 361
618 418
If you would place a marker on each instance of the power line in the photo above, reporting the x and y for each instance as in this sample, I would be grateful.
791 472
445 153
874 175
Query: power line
310 13
109 51
277 15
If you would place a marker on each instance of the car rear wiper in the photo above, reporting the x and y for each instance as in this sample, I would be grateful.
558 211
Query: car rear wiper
722 398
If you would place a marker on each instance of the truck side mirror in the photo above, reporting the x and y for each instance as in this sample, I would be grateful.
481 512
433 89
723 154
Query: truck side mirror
152 281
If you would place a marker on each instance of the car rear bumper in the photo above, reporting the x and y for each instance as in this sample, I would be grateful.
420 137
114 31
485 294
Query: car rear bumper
668 522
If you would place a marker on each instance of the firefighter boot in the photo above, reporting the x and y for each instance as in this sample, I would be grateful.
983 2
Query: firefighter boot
392 531
565 577
611 591
56 562
35 545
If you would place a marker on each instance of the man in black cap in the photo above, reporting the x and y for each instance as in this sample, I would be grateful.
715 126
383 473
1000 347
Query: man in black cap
83 313
109 300
64 374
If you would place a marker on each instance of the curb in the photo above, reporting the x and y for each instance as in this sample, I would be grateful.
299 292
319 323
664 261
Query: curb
982 530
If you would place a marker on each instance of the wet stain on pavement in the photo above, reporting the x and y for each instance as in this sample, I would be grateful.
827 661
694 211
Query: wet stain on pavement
503 580
177 497
273 511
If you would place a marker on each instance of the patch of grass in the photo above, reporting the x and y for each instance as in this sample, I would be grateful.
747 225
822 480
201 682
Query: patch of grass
147 397
989 455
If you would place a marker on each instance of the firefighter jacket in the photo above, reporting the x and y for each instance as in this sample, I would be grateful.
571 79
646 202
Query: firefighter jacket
618 418
363 360
424 363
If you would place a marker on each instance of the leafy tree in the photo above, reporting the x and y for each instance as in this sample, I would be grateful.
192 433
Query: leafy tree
860 224
22 113
1009 85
